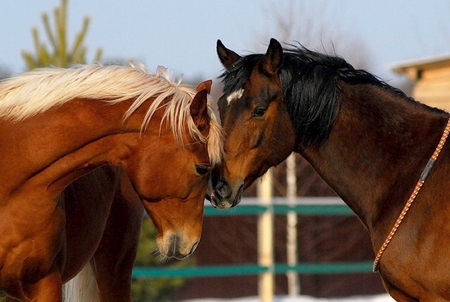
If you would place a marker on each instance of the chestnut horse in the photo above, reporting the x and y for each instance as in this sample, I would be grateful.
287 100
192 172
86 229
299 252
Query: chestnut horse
369 141
83 152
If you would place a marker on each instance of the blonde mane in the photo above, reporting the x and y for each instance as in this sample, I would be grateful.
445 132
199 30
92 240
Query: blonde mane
36 91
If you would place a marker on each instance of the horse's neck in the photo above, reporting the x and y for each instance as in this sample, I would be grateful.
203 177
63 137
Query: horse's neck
53 148
376 151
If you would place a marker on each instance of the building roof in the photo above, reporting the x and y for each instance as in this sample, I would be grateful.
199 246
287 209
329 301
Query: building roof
432 62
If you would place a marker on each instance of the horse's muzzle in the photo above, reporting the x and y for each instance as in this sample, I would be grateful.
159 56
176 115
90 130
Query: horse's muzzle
223 198
174 249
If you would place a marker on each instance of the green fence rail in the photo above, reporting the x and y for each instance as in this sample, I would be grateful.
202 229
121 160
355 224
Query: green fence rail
331 207
253 269
282 209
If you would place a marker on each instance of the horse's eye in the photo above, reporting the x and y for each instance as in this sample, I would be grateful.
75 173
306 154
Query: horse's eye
202 169
259 111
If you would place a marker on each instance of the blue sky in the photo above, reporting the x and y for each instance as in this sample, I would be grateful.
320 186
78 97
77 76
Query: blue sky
181 35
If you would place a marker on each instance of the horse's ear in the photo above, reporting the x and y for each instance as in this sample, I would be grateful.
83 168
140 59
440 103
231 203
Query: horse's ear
205 85
273 57
226 56
199 109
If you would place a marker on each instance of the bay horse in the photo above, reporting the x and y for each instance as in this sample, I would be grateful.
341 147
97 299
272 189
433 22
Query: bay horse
370 142
84 151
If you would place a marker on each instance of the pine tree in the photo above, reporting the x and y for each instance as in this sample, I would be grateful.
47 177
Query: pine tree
57 52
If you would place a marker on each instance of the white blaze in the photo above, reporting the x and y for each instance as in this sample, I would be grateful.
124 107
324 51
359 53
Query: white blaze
235 95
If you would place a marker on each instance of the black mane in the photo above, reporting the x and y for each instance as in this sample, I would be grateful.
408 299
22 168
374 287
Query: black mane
310 87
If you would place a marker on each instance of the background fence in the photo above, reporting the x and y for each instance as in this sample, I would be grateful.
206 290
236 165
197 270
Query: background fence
304 206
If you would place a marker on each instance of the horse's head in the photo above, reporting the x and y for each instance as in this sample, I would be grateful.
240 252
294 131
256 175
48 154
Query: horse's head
258 131
169 166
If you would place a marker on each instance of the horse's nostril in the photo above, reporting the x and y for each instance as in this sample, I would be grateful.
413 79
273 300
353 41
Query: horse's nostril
223 189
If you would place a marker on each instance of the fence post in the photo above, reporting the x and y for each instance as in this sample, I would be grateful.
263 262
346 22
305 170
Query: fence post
265 239
291 226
